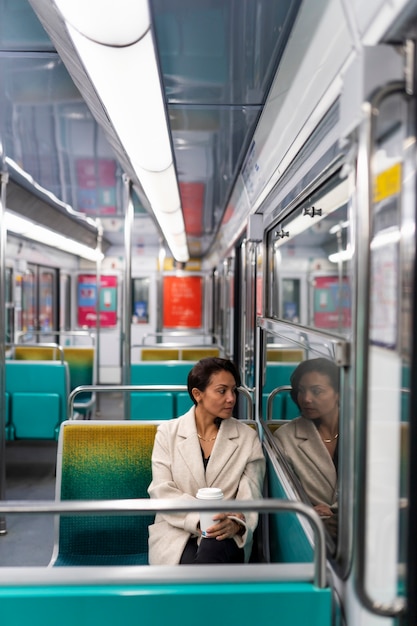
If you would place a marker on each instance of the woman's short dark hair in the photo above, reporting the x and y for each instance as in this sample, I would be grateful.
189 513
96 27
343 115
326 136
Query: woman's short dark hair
199 377
322 366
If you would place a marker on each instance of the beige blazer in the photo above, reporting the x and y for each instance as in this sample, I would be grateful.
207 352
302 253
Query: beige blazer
236 465
310 460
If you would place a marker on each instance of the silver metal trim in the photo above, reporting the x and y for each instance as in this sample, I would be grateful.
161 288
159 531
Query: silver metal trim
154 574
339 347
364 175
112 388
144 506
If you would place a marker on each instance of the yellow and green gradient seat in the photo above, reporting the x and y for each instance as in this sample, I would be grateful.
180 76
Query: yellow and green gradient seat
100 460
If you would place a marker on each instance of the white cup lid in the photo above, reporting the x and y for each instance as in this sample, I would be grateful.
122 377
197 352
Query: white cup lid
210 493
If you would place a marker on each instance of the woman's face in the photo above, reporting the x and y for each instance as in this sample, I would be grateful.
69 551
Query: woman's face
219 397
316 397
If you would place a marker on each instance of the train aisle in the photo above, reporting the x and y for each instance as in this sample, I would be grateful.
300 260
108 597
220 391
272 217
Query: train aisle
30 475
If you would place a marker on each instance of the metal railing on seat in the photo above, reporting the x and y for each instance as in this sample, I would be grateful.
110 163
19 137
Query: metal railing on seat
152 506
143 388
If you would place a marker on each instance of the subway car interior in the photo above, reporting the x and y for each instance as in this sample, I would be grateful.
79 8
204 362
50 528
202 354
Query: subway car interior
183 179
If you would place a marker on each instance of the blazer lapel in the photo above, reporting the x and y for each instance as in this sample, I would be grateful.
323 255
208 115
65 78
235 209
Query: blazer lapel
190 450
310 445
223 451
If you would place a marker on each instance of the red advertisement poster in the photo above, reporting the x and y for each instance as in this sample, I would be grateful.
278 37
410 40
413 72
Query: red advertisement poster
182 302
192 200
87 301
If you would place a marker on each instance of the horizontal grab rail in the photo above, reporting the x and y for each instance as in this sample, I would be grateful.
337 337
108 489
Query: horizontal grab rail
176 334
144 506
47 333
155 388
51 346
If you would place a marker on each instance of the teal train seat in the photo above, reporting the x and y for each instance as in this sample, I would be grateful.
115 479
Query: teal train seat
160 405
82 369
184 403
103 461
37 394
278 375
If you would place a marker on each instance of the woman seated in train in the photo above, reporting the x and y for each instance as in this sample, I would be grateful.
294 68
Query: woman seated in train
206 447
310 442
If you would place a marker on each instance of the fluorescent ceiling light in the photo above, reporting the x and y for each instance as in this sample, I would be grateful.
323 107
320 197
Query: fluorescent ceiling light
20 226
118 54
100 21
127 82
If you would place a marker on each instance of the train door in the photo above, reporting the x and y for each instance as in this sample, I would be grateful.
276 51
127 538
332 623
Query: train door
47 302
248 304
223 306
28 305
39 294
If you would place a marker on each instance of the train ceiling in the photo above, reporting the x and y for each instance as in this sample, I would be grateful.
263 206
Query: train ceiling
217 60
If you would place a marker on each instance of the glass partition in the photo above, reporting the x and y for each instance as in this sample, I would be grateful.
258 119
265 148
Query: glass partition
310 254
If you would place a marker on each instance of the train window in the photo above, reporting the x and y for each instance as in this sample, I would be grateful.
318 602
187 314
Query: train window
47 303
310 256
140 300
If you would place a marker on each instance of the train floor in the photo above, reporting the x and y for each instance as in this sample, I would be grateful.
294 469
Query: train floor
30 475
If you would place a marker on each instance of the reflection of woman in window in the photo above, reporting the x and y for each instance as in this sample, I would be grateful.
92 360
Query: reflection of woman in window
310 442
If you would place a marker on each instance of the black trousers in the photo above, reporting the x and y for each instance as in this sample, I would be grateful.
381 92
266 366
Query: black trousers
211 551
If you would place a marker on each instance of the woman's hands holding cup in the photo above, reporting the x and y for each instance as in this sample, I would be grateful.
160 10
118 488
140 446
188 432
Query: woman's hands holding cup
225 527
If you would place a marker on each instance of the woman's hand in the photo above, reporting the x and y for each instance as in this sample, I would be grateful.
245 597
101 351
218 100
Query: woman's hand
323 510
226 528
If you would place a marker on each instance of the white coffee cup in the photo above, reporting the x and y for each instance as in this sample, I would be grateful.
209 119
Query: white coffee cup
206 518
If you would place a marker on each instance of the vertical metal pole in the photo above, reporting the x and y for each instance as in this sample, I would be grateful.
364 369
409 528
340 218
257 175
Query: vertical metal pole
4 179
98 289
159 291
127 308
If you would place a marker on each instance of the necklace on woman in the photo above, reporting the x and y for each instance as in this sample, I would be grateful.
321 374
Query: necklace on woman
202 438
332 439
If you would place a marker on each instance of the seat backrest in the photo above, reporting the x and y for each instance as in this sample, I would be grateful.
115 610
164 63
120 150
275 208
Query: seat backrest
162 373
82 371
159 404
103 460
277 375
38 395
35 353
284 355
195 354
80 361
159 354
